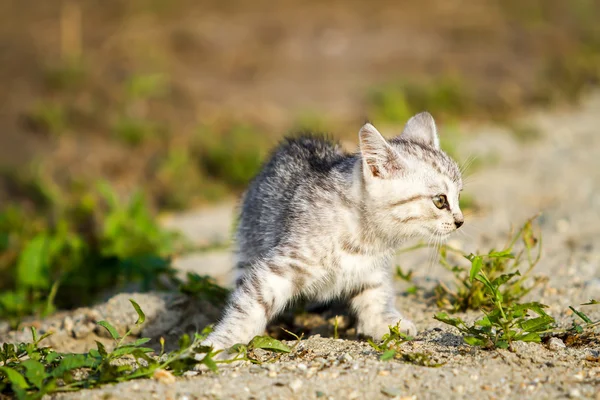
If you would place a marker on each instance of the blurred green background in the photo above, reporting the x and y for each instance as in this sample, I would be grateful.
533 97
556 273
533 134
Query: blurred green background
112 111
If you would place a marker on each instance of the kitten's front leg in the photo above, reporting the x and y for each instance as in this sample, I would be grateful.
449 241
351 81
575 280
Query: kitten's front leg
373 304
259 296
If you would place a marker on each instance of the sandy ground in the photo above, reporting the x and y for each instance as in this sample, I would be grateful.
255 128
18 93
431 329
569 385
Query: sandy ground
558 174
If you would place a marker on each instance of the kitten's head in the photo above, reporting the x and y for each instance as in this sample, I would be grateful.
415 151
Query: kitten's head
411 187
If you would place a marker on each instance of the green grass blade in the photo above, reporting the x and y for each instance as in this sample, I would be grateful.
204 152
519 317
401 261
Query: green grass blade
268 343
111 329
140 313
581 315
476 265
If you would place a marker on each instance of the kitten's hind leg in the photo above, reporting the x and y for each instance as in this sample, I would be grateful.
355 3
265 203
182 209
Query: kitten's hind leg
260 295
373 303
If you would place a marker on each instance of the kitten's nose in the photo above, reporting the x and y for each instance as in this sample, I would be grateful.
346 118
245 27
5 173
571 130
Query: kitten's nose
458 223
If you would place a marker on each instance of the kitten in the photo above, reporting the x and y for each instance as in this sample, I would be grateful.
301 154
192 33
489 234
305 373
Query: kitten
321 224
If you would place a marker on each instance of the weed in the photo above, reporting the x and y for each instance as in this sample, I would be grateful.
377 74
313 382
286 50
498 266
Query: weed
390 342
405 276
83 247
493 284
30 371
579 332
335 327
504 323
390 348
505 320
497 266
507 324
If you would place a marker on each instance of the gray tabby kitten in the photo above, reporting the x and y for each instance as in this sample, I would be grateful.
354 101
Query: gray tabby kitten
321 224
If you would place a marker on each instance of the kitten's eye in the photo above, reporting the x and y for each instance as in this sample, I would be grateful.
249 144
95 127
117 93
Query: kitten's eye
440 201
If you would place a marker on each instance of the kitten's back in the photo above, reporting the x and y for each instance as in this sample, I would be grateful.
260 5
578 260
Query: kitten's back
269 205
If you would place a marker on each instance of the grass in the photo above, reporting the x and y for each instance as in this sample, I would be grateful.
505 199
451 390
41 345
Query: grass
505 320
497 266
81 247
493 284
508 322
29 371
390 348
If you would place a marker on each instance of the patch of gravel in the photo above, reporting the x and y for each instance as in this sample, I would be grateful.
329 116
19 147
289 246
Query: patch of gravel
343 369
558 174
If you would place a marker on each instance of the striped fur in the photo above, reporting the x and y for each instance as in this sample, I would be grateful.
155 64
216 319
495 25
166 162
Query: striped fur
322 224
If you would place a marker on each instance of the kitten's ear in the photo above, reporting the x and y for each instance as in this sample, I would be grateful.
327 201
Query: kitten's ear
421 128
379 158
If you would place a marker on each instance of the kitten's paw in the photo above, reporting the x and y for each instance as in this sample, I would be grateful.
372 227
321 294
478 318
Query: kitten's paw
376 330
408 327
224 353
216 344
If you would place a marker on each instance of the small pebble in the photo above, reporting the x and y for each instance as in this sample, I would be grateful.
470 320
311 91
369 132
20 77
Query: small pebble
579 376
255 369
302 367
556 344
68 325
391 391
296 385
574 393
320 394
164 376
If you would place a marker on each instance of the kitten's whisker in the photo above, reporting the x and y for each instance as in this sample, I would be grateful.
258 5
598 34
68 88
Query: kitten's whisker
466 234
469 180
433 256
467 164
479 229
